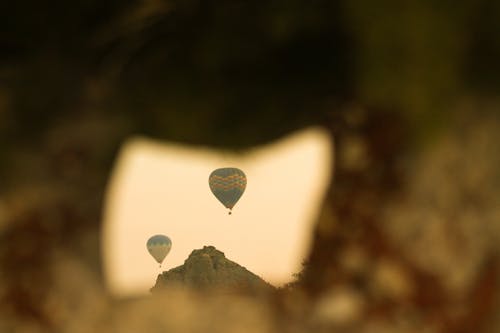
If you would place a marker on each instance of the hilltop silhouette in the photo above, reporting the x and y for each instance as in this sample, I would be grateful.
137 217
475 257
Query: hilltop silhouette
208 268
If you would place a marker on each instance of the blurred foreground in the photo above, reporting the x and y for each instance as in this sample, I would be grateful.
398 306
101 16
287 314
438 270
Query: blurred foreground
424 259
408 236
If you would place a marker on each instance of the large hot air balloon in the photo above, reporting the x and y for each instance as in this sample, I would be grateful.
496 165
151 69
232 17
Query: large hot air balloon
159 246
227 184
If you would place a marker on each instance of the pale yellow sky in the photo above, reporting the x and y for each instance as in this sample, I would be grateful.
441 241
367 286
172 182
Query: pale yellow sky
162 188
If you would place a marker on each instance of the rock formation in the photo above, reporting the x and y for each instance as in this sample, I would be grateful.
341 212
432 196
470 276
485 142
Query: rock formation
208 268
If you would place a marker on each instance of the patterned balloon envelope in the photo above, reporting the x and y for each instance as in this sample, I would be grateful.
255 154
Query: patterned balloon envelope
228 185
159 246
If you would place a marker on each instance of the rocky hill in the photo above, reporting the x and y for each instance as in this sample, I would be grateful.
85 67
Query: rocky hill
208 268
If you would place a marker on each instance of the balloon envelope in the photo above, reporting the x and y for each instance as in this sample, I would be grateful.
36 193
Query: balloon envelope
227 184
159 246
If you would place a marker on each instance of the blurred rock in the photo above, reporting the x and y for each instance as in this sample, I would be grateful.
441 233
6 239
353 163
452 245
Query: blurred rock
341 306
391 281
446 223
187 311
353 153
354 260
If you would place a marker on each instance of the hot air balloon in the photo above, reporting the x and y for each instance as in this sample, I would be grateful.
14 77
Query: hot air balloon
159 246
227 184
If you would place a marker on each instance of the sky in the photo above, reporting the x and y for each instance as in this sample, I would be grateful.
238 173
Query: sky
160 187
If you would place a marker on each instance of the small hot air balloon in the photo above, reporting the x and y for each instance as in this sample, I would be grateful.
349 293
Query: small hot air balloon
227 184
159 246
